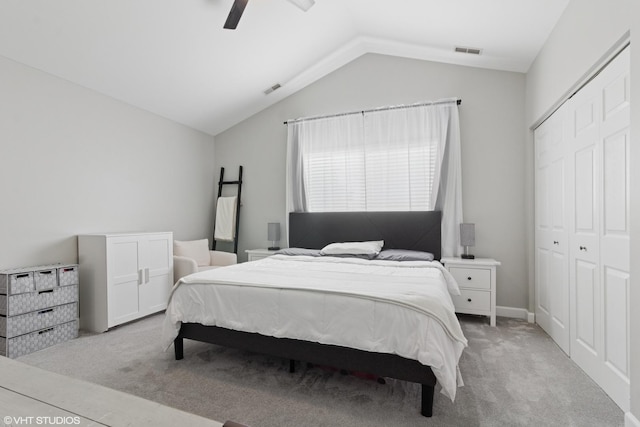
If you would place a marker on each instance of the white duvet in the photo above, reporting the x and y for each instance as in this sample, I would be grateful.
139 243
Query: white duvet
402 308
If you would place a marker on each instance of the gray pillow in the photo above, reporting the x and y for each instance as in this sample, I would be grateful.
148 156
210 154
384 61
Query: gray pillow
299 251
361 256
404 255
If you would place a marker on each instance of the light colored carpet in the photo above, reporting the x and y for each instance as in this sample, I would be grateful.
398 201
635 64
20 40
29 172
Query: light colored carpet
515 375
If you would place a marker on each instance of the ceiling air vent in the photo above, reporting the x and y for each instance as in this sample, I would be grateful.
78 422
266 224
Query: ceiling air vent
272 88
469 50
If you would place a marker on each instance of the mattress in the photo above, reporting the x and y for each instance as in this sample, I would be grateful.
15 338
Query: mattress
396 307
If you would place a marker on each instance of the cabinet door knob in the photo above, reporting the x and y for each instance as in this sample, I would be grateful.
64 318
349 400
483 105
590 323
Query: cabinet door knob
469 278
583 248
469 299
555 242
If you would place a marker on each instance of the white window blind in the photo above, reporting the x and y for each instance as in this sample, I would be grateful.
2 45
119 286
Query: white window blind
335 181
381 161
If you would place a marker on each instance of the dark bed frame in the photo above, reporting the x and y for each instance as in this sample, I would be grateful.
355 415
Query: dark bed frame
399 230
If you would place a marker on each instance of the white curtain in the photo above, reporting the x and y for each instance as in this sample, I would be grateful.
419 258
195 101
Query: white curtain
401 158
403 161
449 199
325 165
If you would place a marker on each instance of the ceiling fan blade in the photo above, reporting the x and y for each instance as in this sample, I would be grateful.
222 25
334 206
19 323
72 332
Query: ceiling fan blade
303 4
235 13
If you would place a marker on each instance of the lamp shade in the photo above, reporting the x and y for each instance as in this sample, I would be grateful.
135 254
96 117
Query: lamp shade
467 234
273 231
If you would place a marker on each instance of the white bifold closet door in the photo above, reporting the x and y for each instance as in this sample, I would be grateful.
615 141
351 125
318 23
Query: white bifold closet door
582 227
551 230
599 238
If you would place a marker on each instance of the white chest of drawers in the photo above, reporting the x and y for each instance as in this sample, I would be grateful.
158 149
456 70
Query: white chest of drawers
256 254
477 281
38 308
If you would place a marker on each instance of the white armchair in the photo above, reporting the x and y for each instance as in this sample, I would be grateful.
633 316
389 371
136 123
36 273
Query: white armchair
192 256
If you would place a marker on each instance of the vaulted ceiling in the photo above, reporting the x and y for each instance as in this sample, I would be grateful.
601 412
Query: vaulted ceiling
173 57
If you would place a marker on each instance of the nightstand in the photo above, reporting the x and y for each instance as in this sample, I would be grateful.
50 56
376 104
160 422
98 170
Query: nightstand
256 254
477 282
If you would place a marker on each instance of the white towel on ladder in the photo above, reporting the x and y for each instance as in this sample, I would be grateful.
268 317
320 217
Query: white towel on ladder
225 227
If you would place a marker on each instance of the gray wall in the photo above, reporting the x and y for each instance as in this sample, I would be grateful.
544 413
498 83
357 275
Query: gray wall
75 161
492 123
583 35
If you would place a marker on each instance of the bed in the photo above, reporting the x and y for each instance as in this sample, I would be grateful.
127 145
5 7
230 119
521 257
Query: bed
382 349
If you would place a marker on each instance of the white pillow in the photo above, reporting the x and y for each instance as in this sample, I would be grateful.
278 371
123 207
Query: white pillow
197 250
371 248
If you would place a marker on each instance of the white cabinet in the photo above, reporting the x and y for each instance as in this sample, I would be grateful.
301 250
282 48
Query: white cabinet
256 254
582 228
477 282
123 276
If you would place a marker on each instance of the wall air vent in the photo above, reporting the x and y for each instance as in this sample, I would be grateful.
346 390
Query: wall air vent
469 50
272 88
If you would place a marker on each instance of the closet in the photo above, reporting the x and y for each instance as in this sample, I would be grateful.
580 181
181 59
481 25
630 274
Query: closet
582 227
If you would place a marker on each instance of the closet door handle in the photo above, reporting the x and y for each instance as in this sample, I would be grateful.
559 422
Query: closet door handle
146 275
140 277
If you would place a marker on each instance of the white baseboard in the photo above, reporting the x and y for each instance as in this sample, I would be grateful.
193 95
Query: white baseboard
516 313
630 420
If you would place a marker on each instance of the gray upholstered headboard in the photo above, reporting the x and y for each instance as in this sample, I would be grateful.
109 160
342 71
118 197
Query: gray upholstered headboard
418 231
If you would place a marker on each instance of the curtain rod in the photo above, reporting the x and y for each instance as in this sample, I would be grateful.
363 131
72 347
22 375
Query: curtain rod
396 107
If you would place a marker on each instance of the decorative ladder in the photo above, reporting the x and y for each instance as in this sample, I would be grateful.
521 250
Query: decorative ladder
222 183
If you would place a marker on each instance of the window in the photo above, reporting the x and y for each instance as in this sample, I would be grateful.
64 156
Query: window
396 177
390 159
380 161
